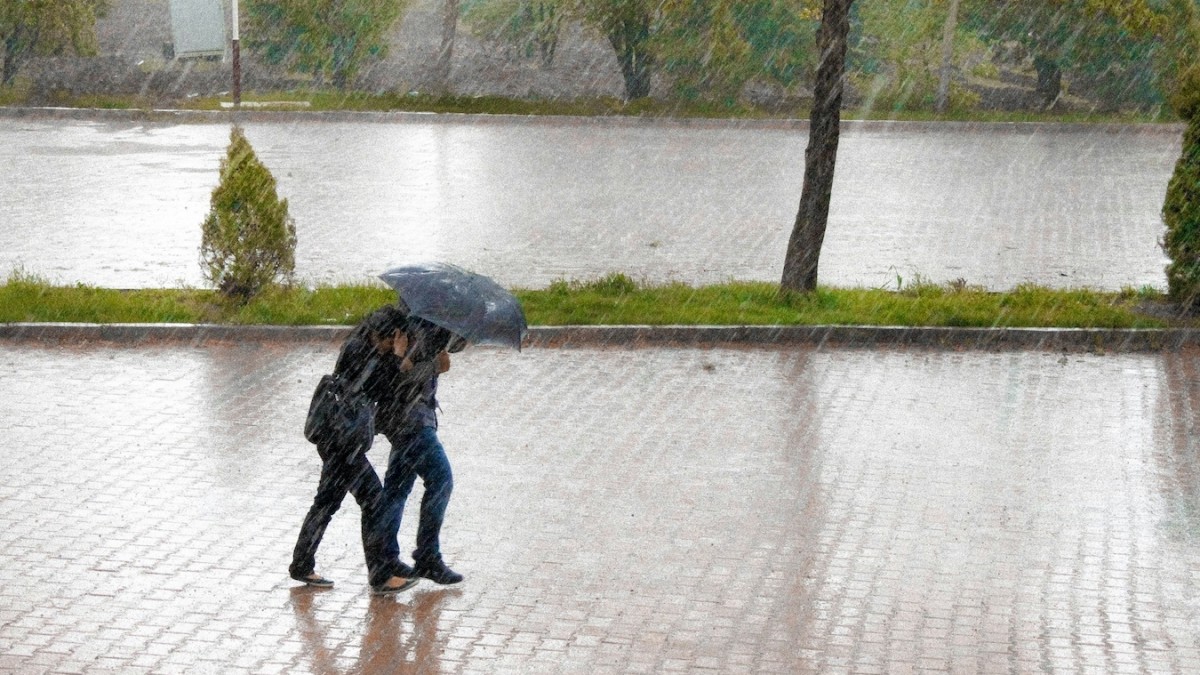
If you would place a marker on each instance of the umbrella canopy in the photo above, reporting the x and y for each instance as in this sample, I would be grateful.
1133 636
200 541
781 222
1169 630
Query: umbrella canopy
468 304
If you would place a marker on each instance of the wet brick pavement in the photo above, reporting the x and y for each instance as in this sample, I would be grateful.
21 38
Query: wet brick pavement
617 510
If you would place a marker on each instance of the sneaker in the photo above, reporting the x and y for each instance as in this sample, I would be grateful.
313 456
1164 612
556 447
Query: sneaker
314 579
394 585
437 572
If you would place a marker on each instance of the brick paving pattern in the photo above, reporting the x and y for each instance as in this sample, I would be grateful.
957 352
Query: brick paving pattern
617 510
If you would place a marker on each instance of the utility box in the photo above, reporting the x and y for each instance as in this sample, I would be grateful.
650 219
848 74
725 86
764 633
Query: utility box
198 28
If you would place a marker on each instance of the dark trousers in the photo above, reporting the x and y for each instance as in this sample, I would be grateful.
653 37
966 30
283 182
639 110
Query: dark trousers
416 453
343 472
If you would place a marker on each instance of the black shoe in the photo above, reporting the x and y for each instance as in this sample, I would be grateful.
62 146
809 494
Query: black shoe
394 585
437 572
313 579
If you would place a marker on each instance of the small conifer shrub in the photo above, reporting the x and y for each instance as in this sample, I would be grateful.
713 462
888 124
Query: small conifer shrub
249 240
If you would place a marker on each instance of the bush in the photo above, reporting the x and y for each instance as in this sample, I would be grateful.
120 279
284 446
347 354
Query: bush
1181 210
249 240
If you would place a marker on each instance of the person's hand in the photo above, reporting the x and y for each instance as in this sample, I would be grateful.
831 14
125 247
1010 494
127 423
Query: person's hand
400 349
443 362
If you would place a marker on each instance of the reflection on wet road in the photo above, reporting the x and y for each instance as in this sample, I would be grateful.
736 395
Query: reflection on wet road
617 511
120 204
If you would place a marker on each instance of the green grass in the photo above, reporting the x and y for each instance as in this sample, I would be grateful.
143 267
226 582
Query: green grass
331 100
618 300
614 300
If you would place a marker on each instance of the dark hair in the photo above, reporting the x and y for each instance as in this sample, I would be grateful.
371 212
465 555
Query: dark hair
430 338
386 320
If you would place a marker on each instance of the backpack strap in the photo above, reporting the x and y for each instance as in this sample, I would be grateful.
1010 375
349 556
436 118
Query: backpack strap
362 378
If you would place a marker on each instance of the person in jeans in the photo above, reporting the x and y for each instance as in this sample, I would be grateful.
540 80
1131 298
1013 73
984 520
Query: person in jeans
409 420
347 469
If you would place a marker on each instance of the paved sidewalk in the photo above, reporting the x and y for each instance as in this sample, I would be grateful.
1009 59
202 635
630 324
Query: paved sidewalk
788 509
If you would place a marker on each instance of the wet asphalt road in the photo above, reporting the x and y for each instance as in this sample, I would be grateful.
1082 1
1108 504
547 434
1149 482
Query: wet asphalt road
118 202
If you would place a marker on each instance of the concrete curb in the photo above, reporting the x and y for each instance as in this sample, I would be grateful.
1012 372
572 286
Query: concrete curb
174 116
565 337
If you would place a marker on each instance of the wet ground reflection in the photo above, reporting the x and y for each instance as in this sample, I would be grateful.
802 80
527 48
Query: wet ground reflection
120 204
616 510
401 635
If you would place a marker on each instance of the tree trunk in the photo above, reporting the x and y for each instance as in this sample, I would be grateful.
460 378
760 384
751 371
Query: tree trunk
1049 79
10 69
636 72
629 41
441 68
808 232
12 59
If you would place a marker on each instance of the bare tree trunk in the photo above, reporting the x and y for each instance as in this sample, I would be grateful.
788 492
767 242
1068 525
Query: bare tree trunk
943 94
9 70
808 233
441 68
12 54
629 38
1049 79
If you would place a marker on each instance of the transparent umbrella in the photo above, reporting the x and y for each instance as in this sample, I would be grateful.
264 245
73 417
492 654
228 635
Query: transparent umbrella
470 305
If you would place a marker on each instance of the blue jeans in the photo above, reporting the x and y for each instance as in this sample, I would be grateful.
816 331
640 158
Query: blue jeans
416 453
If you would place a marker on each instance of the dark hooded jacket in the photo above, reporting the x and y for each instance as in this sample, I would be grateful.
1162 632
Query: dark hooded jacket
404 401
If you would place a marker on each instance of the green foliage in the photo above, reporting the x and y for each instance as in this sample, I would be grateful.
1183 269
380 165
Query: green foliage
249 240
27 297
782 39
702 48
1181 209
329 39
29 27
897 55
1186 98
531 26
1180 33
630 27
614 299
568 303
1113 50
708 49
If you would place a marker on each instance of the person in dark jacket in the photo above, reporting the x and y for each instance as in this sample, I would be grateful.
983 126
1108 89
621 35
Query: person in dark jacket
346 469
408 417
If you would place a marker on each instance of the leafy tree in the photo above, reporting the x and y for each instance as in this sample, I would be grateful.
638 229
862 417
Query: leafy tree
1178 30
1109 46
532 26
629 26
708 48
29 27
808 233
711 48
899 53
703 50
249 240
782 38
329 39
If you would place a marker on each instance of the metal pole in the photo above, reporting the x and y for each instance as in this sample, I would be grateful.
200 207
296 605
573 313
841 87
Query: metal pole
943 93
237 59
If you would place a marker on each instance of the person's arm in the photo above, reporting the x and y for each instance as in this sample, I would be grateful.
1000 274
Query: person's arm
419 370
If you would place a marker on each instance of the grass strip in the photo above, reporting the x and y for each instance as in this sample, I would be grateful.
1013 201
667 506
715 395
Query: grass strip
614 300
326 100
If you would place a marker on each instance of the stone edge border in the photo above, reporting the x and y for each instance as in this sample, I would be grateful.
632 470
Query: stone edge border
565 337
182 116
